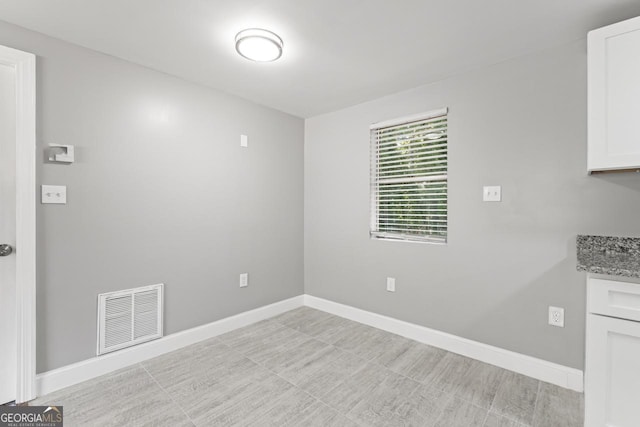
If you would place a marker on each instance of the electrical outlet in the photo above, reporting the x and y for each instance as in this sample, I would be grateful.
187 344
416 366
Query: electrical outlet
391 284
492 193
244 280
556 316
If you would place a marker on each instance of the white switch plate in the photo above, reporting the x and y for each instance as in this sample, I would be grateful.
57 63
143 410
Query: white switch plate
492 193
244 280
244 141
391 284
56 194
556 316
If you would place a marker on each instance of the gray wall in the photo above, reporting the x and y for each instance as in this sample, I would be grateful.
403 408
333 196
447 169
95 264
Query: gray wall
520 124
161 191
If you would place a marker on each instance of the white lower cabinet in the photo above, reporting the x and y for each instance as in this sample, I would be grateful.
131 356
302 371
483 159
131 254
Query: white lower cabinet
612 371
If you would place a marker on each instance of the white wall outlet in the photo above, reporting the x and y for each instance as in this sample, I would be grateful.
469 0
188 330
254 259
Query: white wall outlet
244 280
391 284
56 194
244 141
556 316
492 193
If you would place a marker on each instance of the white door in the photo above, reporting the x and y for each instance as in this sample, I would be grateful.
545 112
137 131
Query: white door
8 348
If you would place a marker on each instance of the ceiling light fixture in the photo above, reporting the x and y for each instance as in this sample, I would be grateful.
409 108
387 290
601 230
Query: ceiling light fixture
259 45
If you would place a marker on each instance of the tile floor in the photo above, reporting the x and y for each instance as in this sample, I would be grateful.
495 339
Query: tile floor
309 368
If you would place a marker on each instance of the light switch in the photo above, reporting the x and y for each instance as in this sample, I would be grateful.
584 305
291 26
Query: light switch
244 141
492 193
56 194
244 280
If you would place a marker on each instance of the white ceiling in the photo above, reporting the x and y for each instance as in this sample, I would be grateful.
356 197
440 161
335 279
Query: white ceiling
336 52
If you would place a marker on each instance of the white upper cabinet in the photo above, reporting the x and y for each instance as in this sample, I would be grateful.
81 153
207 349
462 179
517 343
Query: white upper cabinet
614 97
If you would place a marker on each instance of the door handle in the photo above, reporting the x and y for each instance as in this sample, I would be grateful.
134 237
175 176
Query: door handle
5 249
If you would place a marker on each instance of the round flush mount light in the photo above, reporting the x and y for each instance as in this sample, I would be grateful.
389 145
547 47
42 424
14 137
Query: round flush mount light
259 45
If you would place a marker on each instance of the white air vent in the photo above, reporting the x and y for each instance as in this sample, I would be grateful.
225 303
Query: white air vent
129 317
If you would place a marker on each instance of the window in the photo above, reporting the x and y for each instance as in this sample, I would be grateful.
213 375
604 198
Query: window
409 178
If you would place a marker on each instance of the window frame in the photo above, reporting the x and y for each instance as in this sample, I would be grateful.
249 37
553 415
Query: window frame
374 195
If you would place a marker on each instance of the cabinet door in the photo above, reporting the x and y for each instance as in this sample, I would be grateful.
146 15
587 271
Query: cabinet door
614 96
612 374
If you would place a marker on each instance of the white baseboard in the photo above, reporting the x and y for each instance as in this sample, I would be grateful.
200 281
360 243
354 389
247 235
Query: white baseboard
543 370
66 376
69 375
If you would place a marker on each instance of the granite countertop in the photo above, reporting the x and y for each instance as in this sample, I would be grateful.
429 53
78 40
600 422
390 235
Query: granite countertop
616 256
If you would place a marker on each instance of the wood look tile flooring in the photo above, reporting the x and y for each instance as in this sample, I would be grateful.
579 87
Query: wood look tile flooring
309 368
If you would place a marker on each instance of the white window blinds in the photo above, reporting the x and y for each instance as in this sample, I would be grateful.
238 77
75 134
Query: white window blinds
409 178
